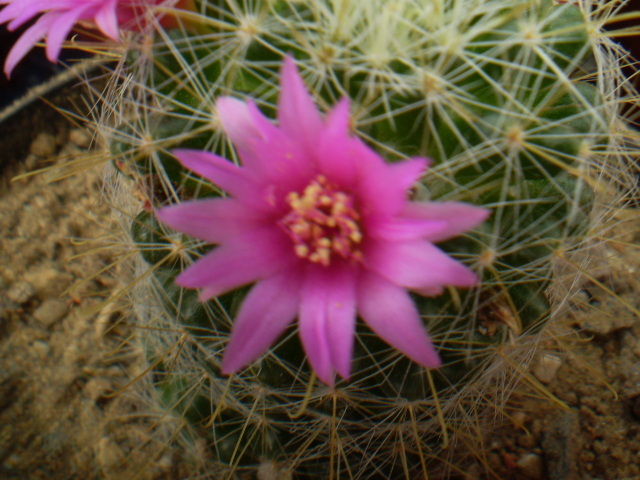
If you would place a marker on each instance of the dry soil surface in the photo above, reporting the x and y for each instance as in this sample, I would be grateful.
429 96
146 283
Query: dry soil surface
63 350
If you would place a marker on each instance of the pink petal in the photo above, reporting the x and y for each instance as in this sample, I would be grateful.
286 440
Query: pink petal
383 188
29 38
297 113
338 153
400 229
268 309
107 20
372 172
252 257
338 121
459 217
417 265
243 123
406 173
60 29
8 13
389 311
214 220
22 11
327 320
341 319
229 177
264 149
312 327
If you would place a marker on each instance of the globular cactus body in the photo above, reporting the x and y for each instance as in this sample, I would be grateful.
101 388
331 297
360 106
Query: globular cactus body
510 101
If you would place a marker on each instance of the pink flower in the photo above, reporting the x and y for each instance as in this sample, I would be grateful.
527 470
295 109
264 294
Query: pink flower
59 17
323 226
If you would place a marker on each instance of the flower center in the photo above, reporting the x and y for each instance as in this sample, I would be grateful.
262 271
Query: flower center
322 223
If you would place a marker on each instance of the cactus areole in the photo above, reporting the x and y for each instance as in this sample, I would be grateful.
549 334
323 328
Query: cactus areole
323 226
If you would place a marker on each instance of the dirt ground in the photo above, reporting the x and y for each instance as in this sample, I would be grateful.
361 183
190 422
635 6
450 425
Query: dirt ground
577 417
63 349
63 354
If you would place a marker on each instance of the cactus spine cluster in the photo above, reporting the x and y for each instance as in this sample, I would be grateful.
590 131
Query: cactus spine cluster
517 102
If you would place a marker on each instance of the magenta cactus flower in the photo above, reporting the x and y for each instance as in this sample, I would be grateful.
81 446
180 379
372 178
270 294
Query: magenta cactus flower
324 228
60 16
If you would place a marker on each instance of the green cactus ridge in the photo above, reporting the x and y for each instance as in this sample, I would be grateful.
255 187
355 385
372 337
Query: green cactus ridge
509 100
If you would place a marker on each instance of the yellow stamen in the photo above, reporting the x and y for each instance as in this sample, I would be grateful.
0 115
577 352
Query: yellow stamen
302 250
323 223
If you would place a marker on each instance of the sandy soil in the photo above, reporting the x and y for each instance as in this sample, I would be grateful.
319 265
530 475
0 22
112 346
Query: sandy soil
577 416
63 351
63 354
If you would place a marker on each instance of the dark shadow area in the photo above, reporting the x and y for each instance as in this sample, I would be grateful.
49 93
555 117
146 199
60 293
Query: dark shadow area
31 71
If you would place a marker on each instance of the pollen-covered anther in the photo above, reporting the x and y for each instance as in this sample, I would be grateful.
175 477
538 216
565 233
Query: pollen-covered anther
323 223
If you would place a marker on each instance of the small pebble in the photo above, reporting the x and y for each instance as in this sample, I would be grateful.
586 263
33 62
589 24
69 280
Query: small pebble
32 161
603 325
96 388
165 462
48 281
50 312
109 455
21 292
270 470
69 150
80 137
519 419
600 447
44 145
527 441
568 396
621 454
546 367
531 466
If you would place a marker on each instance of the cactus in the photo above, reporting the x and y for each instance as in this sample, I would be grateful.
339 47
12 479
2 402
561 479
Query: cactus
516 103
